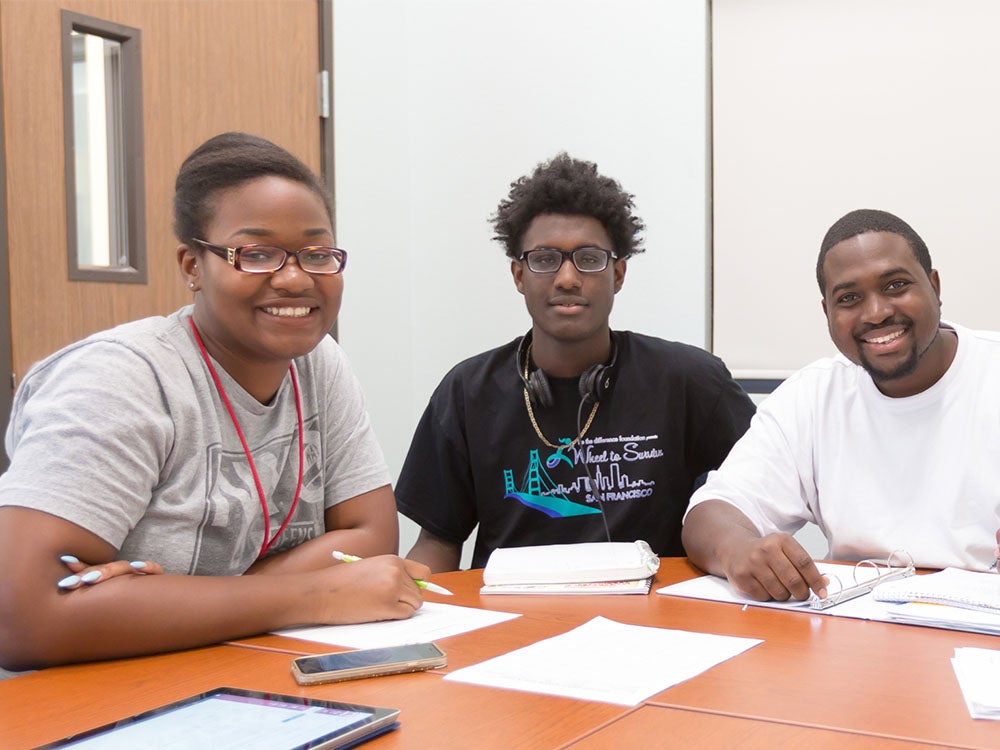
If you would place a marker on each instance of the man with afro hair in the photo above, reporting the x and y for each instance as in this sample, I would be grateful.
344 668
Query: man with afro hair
573 432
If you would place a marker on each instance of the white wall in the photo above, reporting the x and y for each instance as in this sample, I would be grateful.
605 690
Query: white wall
825 106
439 105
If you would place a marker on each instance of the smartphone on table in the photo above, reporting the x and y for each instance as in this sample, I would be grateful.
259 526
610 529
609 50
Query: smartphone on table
369 662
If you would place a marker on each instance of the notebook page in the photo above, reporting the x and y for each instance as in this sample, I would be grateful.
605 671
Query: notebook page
953 586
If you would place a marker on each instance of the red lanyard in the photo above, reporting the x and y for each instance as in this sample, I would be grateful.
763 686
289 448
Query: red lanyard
268 543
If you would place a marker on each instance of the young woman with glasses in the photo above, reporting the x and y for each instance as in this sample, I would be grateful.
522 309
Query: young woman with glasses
228 442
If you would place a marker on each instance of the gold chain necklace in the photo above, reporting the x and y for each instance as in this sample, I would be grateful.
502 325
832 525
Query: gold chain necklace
531 414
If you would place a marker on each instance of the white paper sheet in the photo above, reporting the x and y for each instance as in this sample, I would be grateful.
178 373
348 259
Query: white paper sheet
430 622
977 670
606 661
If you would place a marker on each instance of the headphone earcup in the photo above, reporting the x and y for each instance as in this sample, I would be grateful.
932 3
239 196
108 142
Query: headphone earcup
539 390
595 383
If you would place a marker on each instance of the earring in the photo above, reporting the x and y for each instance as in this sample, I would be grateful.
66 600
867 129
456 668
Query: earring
191 284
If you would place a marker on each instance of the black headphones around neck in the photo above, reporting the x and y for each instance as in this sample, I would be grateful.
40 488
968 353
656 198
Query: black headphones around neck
595 382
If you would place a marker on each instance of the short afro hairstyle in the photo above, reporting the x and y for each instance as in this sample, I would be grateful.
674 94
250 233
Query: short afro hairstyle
226 161
865 220
573 187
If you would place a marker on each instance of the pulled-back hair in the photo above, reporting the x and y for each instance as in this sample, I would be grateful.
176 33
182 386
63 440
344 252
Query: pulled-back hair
569 186
865 220
223 162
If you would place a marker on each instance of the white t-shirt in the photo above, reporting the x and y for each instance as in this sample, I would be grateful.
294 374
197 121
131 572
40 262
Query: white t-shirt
877 474
124 433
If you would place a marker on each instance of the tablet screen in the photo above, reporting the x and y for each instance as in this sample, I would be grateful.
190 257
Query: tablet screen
231 718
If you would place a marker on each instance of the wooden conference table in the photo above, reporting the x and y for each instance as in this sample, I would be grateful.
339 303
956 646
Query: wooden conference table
817 680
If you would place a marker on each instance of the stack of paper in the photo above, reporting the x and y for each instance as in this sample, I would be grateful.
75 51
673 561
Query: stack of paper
583 568
942 616
952 598
977 670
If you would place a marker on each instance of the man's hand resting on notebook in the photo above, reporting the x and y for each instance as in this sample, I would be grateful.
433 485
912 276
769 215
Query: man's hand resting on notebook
721 540
773 567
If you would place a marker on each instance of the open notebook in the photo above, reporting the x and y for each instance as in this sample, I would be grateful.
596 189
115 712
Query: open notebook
849 585
876 594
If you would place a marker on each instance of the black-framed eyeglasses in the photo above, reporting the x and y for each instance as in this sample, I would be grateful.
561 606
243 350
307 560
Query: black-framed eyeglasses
268 259
587 259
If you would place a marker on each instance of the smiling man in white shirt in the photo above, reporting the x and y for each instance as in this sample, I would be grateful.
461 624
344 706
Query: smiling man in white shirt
891 445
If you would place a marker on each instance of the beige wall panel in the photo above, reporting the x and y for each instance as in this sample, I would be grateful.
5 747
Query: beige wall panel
825 106
208 66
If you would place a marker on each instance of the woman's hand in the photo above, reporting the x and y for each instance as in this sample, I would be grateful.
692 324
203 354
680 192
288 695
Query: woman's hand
87 575
375 588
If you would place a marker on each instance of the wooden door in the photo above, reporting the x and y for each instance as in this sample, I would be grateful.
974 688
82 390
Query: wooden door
208 66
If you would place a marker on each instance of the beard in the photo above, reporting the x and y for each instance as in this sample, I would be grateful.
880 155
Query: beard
904 369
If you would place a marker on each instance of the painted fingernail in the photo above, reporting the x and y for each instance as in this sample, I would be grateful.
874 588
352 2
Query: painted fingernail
68 582
90 577
69 559
138 564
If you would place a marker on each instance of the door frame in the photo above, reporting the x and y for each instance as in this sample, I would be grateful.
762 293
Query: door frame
6 354
325 134
324 89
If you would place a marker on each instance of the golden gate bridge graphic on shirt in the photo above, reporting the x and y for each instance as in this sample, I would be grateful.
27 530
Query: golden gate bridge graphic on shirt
536 481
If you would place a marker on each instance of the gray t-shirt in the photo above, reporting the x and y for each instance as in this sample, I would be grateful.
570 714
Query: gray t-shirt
125 434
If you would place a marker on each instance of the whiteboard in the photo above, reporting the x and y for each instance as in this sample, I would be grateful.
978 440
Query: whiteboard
439 105
824 106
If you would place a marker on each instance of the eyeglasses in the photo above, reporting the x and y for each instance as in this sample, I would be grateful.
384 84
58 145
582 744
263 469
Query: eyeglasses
268 259
587 259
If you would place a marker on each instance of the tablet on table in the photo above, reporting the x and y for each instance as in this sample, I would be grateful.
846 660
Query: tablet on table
248 719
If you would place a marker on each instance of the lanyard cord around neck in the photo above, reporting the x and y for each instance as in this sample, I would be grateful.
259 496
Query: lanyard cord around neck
268 539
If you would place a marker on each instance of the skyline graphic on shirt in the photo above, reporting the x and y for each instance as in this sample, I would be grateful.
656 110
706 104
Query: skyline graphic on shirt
536 481
610 480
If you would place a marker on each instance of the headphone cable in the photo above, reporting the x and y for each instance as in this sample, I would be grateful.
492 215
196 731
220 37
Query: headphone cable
598 495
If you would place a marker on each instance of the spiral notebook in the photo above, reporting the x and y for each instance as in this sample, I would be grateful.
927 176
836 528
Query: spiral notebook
966 589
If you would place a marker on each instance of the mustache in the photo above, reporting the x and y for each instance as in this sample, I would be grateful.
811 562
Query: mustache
868 328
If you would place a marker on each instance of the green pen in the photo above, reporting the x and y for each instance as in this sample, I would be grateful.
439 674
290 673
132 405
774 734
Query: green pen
344 557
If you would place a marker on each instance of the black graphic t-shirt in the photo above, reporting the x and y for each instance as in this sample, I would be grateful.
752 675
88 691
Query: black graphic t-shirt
673 412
